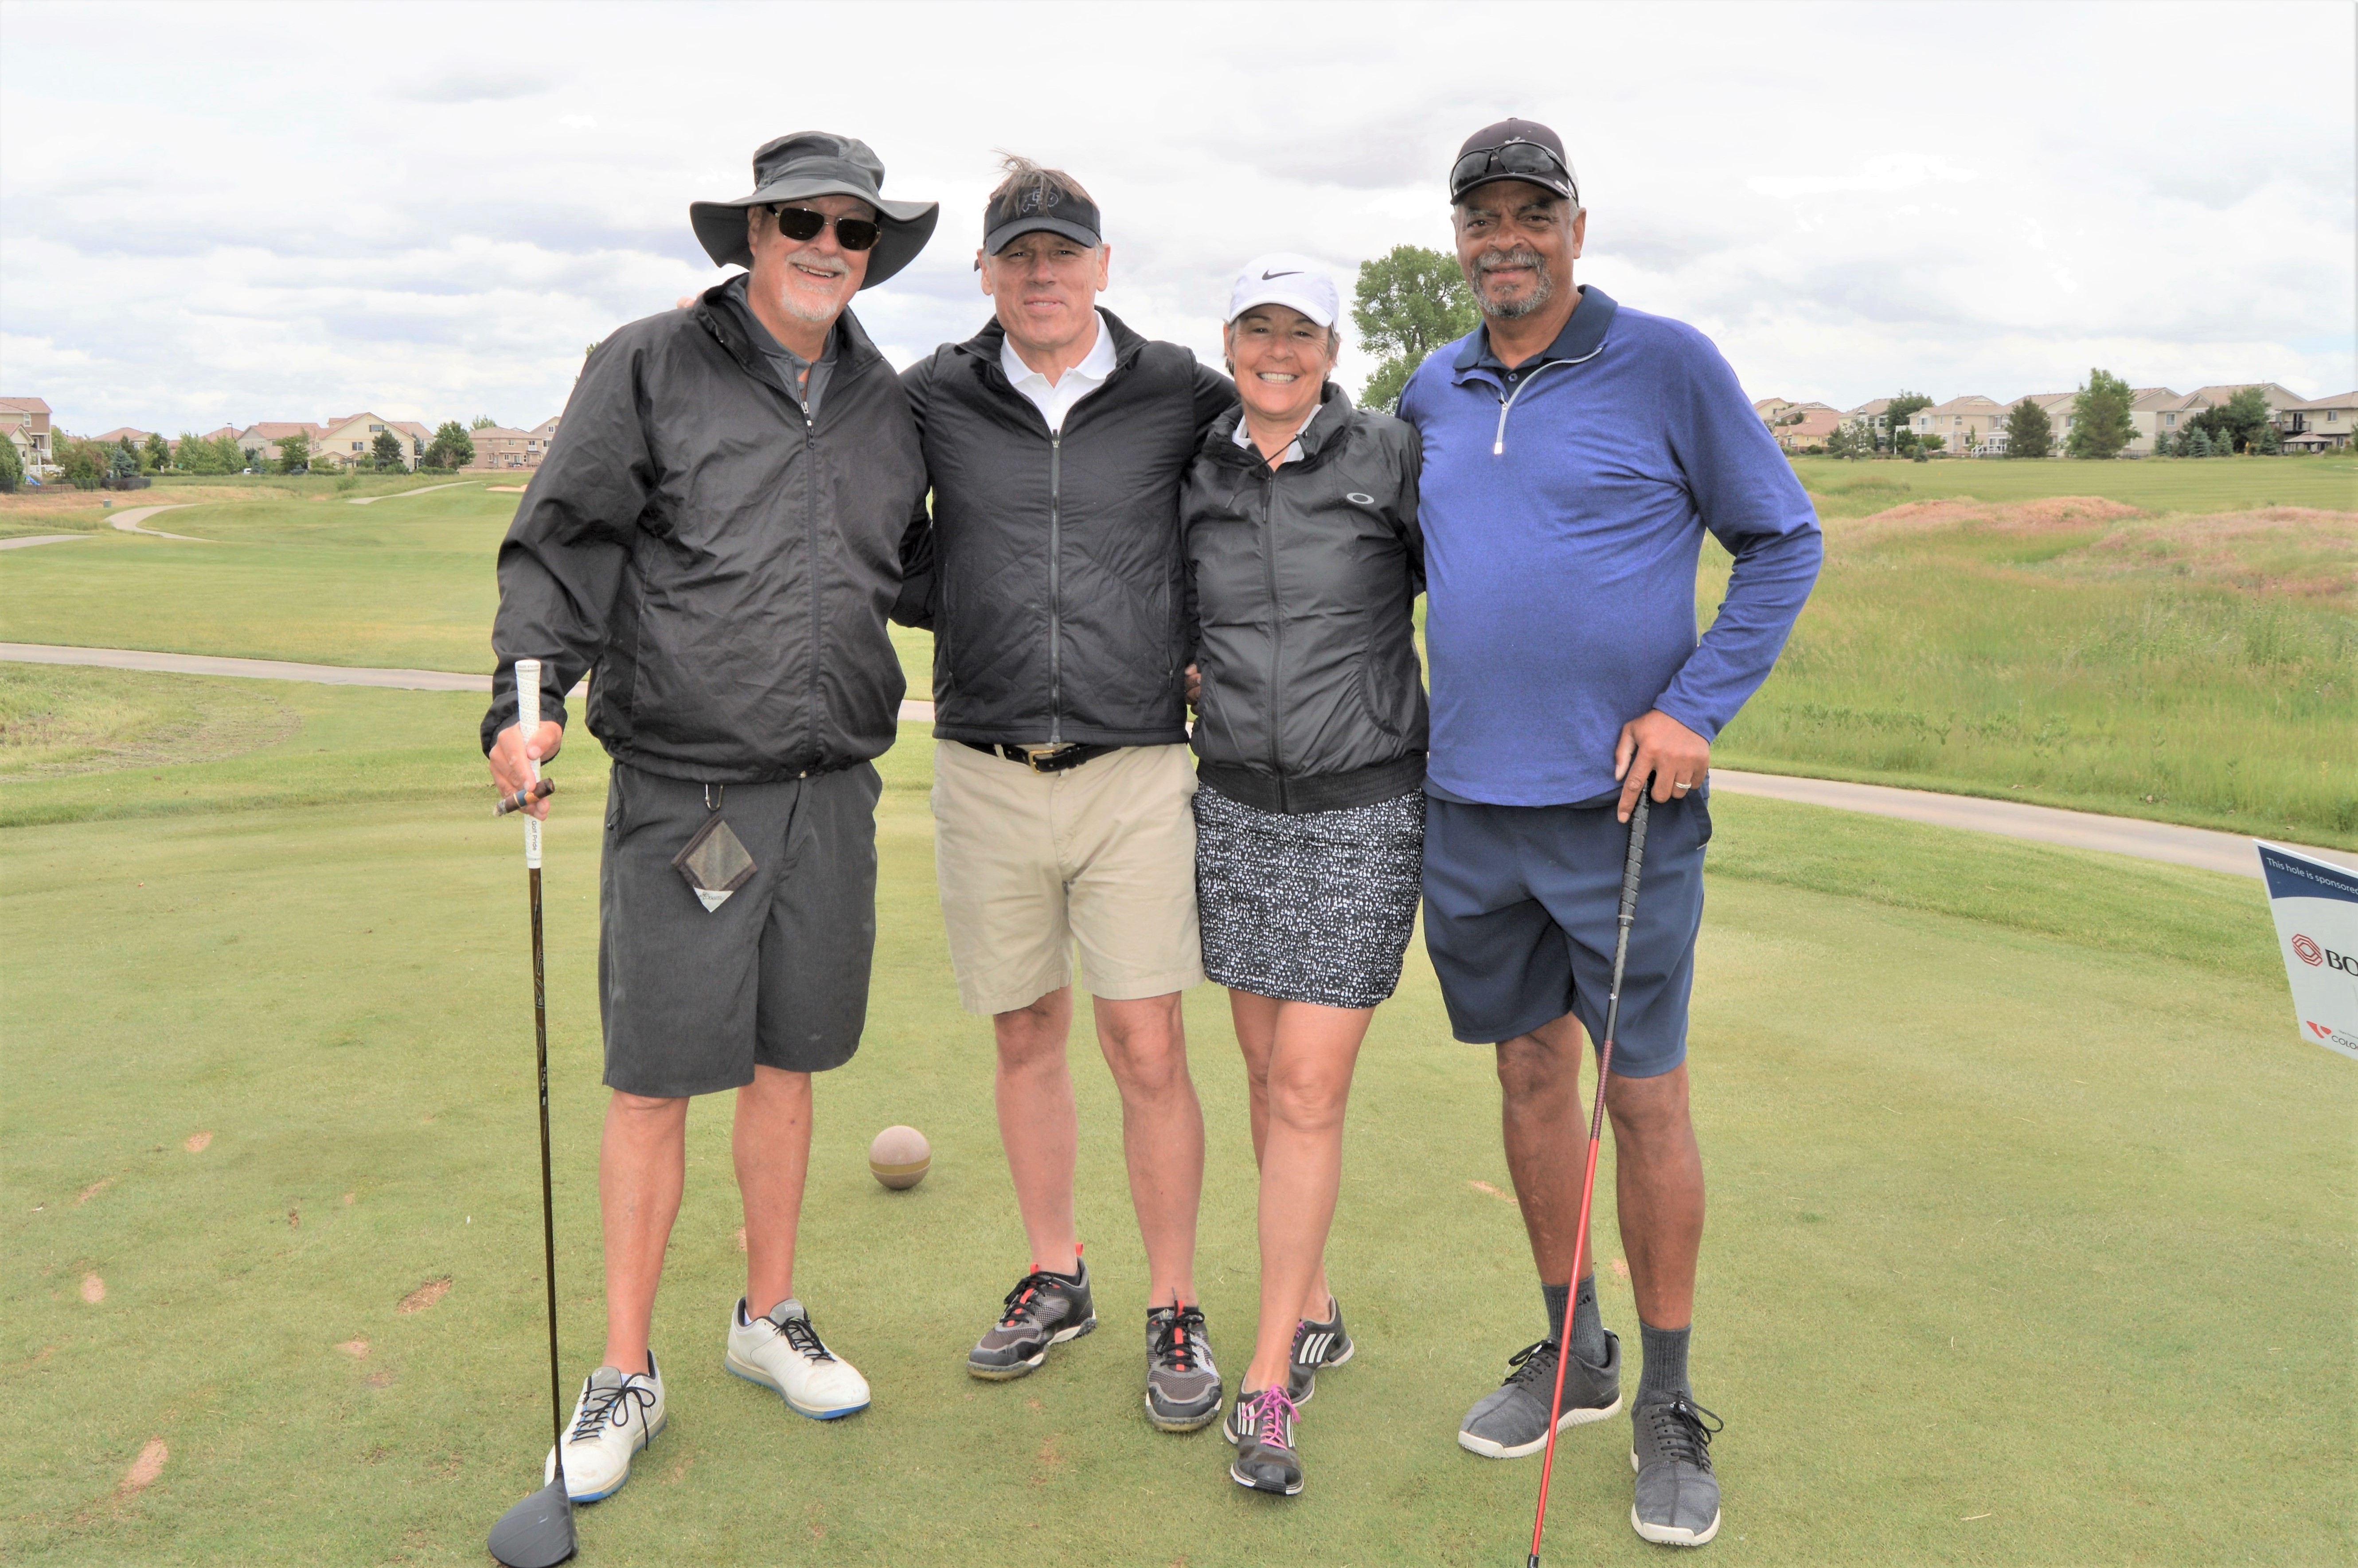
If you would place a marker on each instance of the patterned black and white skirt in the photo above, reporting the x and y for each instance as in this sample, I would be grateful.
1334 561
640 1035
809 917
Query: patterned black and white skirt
1317 906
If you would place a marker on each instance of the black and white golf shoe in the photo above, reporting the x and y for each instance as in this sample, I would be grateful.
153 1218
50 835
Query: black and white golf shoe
1512 1420
1316 1342
1261 1426
1677 1501
1043 1309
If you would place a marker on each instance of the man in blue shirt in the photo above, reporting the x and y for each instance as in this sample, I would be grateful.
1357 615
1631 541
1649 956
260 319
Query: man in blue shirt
1575 454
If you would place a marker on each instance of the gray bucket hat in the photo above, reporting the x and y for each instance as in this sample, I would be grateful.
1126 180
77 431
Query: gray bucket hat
817 163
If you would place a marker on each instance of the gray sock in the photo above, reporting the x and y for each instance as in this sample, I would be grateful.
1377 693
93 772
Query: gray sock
1587 1327
1665 1376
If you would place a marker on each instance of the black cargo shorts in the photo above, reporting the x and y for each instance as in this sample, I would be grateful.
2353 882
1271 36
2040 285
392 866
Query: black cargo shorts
692 998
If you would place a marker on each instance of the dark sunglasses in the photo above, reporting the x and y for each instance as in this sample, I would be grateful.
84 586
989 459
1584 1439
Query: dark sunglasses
1522 159
801 225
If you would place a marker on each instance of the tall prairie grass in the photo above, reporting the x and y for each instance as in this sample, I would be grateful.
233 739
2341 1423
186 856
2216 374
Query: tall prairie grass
2191 668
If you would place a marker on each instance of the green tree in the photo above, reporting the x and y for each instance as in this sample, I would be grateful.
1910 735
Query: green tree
2163 445
85 462
295 453
1903 408
155 457
2100 425
12 468
124 462
185 453
452 448
2271 441
1930 443
2236 425
1407 304
481 422
2027 432
386 449
2197 443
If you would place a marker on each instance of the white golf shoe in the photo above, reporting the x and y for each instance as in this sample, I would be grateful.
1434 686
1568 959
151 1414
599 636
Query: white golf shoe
784 1353
617 1415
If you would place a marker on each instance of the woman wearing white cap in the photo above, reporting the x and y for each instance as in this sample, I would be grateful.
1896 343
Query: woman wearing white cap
1303 564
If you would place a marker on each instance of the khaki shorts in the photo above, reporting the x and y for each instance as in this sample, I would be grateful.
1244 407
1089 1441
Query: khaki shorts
1102 855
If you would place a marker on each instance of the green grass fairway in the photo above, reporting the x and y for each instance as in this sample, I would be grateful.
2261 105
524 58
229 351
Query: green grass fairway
2030 1236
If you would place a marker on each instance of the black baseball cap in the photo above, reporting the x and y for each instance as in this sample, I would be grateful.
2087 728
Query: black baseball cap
1514 149
1033 207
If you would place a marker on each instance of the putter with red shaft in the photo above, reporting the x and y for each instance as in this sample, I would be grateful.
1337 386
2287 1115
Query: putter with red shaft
1630 869
538 1531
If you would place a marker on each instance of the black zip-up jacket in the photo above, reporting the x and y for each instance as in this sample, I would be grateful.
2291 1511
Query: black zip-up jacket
725 564
1304 581
1049 573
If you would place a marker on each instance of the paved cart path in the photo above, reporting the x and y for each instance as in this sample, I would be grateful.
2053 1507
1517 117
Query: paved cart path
396 495
29 540
2165 841
128 522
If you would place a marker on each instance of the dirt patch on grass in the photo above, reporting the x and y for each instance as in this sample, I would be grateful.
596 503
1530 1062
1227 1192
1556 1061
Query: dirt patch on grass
428 1294
2049 514
198 1142
143 1470
357 1349
1487 1190
93 1189
94 1289
378 1380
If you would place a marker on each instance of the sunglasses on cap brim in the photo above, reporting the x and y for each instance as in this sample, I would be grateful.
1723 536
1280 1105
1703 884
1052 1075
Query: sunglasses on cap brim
801 225
1521 160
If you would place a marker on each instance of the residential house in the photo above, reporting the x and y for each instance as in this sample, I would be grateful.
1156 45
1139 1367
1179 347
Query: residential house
2322 424
1963 424
1806 425
354 440
260 442
123 433
498 447
1872 418
1771 410
27 421
546 431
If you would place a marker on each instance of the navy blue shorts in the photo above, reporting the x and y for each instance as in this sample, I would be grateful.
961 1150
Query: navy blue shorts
1522 904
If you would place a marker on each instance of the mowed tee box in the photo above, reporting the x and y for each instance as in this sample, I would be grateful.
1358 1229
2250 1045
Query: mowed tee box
2316 908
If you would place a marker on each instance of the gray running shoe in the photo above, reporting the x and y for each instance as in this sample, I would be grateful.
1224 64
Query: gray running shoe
1511 1421
1183 1386
1316 1344
1261 1426
1678 1496
1043 1309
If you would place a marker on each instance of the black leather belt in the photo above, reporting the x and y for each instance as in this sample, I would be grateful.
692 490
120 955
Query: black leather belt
1043 758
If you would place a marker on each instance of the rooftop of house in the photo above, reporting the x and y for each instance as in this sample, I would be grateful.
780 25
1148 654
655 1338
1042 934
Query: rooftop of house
123 433
25 405
1971 403
1871 407
279 430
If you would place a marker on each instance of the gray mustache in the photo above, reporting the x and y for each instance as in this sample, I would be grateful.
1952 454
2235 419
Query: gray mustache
1492 262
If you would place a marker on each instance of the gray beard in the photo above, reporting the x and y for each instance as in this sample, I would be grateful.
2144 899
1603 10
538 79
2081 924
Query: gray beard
817 315
1539 295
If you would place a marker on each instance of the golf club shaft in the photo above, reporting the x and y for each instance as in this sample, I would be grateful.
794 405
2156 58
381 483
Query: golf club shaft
528 720
1630 869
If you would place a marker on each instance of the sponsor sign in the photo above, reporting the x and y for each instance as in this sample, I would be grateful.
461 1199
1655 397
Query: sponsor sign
2316 907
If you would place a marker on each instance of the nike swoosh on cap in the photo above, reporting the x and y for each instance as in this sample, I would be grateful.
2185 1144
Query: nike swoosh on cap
1266 275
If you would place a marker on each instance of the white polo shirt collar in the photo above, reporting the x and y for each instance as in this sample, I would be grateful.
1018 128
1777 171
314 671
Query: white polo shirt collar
1054 401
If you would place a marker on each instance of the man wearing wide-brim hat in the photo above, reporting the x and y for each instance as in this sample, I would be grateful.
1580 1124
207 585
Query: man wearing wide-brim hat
716 533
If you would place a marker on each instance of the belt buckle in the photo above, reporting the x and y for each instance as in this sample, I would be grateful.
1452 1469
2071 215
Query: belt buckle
1037 758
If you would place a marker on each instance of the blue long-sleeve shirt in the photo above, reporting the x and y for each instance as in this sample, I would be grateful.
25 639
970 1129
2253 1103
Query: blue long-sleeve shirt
1563 507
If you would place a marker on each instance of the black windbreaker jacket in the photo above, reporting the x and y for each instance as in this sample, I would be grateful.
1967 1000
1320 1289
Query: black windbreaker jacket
1304 581
726 564
1049 572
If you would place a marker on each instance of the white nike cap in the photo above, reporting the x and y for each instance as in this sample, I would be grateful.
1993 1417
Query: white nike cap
1284 278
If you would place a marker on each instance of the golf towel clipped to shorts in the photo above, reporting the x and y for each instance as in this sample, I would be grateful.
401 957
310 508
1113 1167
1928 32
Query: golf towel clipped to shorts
714 863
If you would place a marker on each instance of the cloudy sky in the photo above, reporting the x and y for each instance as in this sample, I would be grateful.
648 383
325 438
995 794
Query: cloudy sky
218 214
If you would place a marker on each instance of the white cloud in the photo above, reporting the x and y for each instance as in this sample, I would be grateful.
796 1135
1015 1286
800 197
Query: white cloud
223 224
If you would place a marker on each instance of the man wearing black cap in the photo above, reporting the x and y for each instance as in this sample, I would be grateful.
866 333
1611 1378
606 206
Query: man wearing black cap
1050 574
1575 453
717 531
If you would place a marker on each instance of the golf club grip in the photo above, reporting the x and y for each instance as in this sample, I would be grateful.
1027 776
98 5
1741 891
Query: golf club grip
527 677
1637 859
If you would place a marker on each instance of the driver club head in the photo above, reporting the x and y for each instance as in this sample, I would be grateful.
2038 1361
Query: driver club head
538 1531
